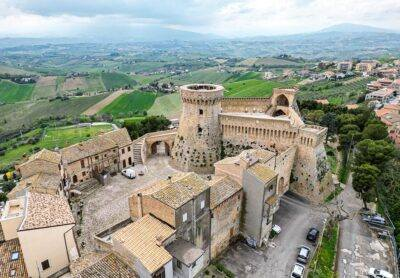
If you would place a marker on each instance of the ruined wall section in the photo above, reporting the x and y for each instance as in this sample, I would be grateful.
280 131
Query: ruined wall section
245 105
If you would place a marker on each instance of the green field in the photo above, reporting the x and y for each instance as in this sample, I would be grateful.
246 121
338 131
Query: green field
13 116
11 92
130 104
13 71
115 80
53 137
169 105
200 76
345 93
253 88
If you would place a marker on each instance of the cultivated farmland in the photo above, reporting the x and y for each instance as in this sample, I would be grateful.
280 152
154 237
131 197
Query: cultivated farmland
45 87
116 80
130 104
169 105
11 92
252 88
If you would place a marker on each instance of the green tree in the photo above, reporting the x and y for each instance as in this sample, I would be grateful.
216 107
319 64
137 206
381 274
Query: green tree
364 181
315 116
329 120
374 152
348 127
375 131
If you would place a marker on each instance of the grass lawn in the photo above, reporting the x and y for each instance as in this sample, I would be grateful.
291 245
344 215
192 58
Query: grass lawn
11 92
115 80
324 259
169 105
53 137
252 88
132 103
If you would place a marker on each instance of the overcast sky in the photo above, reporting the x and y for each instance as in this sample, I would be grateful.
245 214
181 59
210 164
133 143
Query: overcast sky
230 18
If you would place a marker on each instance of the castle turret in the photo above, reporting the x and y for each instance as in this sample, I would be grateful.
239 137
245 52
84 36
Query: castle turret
197 145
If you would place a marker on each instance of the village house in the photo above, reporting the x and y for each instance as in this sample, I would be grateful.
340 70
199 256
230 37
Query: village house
382 95
344 66
367 66
98 157
35 221
388 72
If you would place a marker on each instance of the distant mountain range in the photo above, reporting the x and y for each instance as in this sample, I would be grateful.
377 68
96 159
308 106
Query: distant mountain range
355 28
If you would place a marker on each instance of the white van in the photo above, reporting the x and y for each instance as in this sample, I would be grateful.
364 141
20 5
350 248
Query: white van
129 173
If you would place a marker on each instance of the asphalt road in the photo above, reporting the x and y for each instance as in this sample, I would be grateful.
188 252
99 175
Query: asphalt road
359 248
295 217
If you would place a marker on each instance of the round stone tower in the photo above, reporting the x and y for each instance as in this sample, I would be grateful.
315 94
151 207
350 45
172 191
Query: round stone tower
197 145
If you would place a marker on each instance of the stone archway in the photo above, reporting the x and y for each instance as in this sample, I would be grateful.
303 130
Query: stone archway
279 112
160 147
282 100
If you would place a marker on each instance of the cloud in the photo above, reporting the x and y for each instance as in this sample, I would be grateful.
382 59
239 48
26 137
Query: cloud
232 18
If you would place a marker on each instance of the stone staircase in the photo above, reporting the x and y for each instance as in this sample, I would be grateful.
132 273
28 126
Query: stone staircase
137 150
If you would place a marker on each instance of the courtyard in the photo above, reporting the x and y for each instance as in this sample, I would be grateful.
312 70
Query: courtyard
102 207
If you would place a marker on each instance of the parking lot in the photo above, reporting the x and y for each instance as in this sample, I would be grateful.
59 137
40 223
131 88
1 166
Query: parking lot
295 217
106 206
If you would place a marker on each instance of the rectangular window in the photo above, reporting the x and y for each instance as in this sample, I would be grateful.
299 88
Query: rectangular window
179 264
202 204
200 111
14 256
184 217
83 174
129 149
45 265
82 163
123 151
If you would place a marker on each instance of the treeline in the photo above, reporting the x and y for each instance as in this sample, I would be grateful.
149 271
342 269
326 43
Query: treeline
376 161
137 128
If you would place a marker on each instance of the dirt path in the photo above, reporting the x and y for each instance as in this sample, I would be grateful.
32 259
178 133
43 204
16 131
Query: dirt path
103 103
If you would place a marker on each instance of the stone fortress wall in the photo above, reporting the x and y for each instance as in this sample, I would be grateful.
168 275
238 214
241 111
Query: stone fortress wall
212 127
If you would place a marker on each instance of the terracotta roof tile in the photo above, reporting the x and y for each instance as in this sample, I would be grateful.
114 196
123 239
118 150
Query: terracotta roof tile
46 155
45 210
221 188
262 172
142 238
6 264
41 183
180 191
101 265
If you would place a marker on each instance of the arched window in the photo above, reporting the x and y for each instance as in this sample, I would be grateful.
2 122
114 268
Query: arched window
282 100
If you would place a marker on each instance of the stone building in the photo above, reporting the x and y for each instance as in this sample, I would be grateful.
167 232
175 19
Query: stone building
226 197
108 152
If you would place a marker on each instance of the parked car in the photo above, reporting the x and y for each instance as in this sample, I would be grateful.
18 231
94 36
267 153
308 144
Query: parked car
298 271
129 173
276 229
313 234
374 219
379 273
304 254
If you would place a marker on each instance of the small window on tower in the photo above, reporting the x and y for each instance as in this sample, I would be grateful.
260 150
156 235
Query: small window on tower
200 111
199 130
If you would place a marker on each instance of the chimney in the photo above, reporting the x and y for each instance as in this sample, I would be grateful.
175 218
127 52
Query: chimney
139 204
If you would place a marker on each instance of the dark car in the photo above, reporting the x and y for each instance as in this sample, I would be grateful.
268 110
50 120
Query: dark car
313 234
304 254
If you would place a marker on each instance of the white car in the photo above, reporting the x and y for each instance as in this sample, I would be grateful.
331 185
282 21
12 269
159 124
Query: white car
276 229
379 273
298 271
129 173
